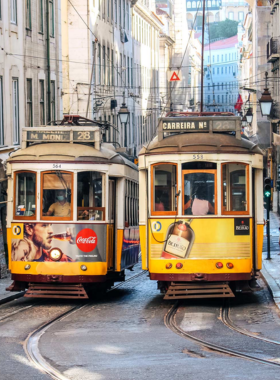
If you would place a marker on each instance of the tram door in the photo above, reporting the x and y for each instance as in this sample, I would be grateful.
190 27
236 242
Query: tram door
111 224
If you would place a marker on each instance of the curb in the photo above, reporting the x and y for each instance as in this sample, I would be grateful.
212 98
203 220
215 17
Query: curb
272 286
12 297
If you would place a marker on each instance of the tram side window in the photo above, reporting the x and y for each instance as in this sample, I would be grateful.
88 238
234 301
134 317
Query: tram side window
90 196
56 195
164 188
199 193
131 203
25 205
235 192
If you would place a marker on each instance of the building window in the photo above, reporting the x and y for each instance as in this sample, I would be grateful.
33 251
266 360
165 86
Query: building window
15 111
209 99
218 85
208 86
124 70
128 72
29 116
127 16
226 57
218 98
124 14
108 8
14 11
1 113
112 68
131 73
222 70
99 64
120 13
53 113
116 12
230 15
108 68
42 102
104 64
222 98
28 15
240 16
218 70
213 71
218 58
213 59
51 10
41 17
222 58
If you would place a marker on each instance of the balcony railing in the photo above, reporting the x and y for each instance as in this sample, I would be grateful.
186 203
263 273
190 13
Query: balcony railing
272 50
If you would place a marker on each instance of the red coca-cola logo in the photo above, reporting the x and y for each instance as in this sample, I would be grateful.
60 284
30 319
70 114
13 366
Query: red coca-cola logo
86 240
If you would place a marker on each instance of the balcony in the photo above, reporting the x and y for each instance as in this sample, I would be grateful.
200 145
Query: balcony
272 50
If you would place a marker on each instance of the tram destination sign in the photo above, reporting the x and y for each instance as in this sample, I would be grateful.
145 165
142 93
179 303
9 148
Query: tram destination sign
60 136
185 125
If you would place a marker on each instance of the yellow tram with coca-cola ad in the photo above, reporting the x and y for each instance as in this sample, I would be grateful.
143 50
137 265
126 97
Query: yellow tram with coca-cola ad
201 206
72 215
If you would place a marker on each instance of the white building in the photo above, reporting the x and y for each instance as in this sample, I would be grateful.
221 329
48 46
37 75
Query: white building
221 67
120 41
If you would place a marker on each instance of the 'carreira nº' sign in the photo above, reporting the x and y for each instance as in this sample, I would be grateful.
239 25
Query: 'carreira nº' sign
179 126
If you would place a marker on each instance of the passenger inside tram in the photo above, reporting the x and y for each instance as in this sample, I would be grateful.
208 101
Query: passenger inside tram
199 192
199 204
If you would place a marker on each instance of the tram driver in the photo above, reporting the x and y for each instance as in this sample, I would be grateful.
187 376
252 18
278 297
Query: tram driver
61 208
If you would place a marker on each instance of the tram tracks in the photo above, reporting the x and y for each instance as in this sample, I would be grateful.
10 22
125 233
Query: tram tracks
31 344
170 322
225 318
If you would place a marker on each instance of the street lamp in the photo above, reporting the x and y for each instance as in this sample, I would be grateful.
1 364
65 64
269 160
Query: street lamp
266 100
123 112
244 121
249 115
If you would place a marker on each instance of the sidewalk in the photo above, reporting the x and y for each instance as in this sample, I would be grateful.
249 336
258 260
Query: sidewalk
6 295
271 268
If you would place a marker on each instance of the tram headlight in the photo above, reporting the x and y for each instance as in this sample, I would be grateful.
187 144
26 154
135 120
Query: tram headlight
28 266
84 267
55 254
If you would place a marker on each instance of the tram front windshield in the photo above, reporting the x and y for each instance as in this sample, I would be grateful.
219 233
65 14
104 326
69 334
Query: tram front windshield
199 193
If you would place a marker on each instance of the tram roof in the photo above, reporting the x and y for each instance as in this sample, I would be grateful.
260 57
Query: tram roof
200 143
70 152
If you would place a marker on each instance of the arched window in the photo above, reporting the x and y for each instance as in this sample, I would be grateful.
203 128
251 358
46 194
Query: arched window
209 4
194 4
189 4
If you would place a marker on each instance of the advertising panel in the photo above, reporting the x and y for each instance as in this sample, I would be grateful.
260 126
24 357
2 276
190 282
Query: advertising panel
200 238
58 242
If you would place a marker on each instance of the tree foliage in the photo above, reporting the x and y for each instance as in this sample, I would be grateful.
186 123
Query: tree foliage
222 29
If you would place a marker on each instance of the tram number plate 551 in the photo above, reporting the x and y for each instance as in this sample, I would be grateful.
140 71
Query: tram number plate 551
57 166
197 156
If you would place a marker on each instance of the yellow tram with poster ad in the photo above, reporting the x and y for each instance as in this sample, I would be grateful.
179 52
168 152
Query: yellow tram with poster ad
72 219
201 207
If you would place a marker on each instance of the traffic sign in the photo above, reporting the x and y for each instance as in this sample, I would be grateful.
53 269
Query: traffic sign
174 76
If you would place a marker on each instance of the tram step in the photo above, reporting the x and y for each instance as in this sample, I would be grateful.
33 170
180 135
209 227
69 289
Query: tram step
56 291
183 290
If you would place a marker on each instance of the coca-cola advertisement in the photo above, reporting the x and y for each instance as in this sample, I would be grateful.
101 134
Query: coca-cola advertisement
59 242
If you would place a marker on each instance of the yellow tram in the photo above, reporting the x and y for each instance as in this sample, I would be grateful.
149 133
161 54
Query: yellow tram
201 206
72 219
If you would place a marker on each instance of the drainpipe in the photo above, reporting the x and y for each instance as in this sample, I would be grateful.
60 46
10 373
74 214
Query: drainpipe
48 62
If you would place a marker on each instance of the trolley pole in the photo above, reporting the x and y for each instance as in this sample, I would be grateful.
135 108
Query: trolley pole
268 228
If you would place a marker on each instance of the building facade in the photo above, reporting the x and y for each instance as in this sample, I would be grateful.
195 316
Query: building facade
117 61
221 69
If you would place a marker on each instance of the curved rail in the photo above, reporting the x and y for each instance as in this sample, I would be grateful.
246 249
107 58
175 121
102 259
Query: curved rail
225 318
170 322
31 345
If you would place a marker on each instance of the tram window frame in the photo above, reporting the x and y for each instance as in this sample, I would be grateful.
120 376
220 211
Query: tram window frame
24 217
131 200
192 171
247 183
153 212
102 209
56 218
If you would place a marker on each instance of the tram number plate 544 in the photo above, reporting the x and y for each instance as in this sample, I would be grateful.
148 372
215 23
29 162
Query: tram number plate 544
57 166
197 156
